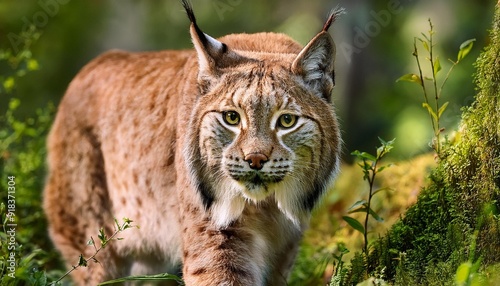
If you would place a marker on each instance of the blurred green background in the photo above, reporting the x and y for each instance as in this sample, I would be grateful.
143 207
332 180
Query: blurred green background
374 45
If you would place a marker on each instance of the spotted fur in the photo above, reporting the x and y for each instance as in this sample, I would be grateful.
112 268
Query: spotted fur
219 154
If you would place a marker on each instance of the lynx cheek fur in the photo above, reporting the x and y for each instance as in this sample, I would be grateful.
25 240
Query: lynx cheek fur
219 154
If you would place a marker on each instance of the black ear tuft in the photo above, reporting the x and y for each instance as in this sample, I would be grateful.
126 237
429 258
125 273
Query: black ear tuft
212 54
190 13
189 10
332 17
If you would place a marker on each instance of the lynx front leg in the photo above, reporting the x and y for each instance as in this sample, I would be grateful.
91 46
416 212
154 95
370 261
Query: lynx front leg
221 257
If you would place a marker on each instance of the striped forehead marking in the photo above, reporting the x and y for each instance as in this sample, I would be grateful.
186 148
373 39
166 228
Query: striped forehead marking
257 89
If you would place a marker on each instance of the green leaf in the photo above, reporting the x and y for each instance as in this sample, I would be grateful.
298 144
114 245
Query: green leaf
25 260
118 227
37 278
410 77
475 267
389 143
357 204
380 152
342 249
425 37
382 190
354 224
385 148
437 66
102 236
465 48
360 209
462 274
365 166
157 277
430 110
364 155
442 109
127 221
355 153
426 45
375 215
384 167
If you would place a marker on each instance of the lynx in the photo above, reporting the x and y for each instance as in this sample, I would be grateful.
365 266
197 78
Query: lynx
219 154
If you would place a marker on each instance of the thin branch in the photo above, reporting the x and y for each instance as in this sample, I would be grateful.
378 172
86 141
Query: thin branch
92 258
436 127
422 82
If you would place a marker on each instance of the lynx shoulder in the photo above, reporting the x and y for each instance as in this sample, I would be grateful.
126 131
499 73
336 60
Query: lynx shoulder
218 153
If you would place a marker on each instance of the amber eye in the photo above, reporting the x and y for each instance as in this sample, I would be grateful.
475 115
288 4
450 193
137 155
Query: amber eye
231 117
287 120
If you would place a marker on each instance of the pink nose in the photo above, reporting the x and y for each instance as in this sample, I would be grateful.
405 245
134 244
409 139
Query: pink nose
256 160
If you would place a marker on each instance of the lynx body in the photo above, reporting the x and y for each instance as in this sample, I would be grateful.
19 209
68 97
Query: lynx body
219 154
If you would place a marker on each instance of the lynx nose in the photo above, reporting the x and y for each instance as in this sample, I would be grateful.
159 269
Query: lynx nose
256 160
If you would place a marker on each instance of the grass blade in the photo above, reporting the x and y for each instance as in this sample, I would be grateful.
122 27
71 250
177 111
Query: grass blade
157 277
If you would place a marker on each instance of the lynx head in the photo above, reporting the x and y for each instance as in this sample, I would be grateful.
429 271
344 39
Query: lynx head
263 128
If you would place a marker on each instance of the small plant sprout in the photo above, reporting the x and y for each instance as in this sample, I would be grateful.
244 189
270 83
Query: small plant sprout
340 270
370 166
434 108
104 240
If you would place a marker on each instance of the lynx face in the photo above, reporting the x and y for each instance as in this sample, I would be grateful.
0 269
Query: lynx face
263 129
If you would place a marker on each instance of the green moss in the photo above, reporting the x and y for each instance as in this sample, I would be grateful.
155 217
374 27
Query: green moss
426 236
456 217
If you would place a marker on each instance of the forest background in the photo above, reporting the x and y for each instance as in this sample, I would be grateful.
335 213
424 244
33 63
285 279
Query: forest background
43 45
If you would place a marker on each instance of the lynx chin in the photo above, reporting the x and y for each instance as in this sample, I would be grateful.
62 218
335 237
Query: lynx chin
219 154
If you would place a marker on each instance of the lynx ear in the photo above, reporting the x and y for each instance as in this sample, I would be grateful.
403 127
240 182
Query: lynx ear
315 63
213 55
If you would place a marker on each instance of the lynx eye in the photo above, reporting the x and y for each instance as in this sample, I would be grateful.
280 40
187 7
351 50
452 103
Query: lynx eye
231 117
287 120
